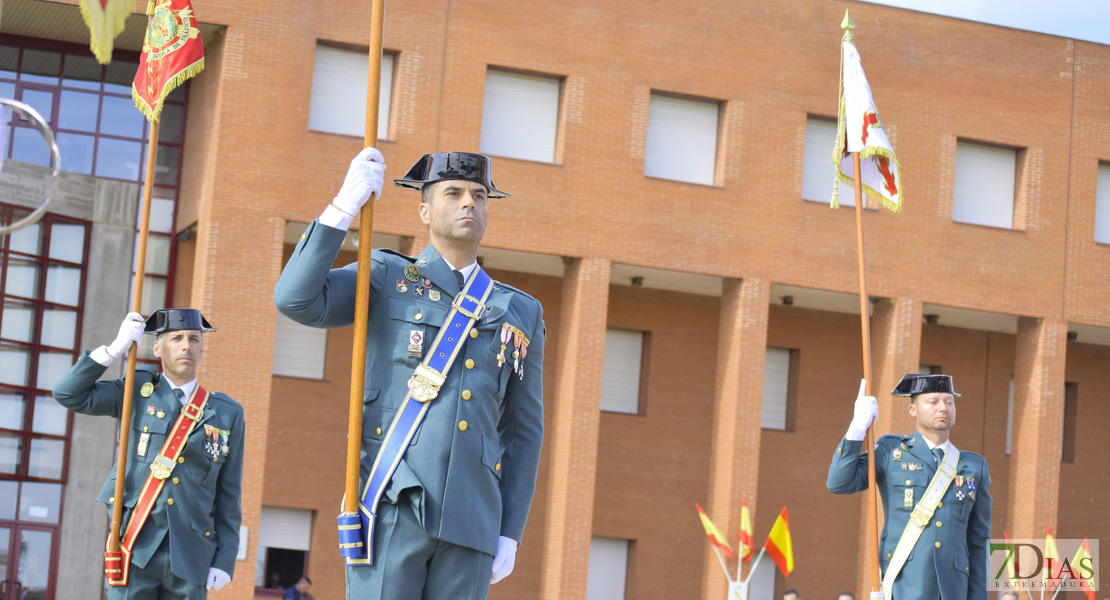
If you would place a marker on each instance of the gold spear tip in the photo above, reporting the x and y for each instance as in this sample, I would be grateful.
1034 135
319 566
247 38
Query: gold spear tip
847 24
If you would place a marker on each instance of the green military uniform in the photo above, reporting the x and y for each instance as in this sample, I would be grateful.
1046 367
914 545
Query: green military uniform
949 560
469 474
194 525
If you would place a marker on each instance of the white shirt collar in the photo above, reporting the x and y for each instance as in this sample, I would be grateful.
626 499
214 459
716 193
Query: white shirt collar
187 388
931 445
466 271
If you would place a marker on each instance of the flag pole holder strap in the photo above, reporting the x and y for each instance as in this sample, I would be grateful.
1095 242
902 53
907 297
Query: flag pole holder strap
117 563
423 387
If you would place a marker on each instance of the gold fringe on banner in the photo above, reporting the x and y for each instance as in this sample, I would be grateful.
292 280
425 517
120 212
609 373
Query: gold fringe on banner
104 25
152 112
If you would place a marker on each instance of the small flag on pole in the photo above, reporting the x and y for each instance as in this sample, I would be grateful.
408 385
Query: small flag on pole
746 544
1051 570
1083 563
106 19
172 53
859 129
715 536
779 546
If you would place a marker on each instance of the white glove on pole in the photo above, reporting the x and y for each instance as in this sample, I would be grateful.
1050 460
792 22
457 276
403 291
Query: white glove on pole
130 331
505 559
365 176
217 579
865 413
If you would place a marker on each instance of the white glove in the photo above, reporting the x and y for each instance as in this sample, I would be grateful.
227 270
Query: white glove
865 413
505 560
130 331
217 579
364 177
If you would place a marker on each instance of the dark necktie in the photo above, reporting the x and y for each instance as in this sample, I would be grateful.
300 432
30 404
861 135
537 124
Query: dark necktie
179 394
459 278
938 454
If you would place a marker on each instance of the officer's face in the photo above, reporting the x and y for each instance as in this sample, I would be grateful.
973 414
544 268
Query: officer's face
456 213
180 352
934 412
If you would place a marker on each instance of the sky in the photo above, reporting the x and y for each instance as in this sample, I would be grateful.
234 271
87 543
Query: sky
1078 19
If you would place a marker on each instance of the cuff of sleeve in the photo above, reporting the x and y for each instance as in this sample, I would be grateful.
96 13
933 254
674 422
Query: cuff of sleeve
335 218
855 434
101 356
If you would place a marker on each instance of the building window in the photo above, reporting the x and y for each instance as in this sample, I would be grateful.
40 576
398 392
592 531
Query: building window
1071 404
762 586
284 537
42 279
682 139
984 185
100 133
339 80
779 388
1102 206
818 171
299 350
622 371
1010 417
929 370
608 571
520 115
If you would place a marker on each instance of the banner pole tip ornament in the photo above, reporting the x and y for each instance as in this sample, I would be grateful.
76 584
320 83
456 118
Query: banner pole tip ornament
172 53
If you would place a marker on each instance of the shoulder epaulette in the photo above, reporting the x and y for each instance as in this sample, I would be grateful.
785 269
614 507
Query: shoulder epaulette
392 252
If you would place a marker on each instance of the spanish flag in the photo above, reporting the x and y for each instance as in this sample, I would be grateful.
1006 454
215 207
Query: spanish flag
715 536
1083 563
778 545
746 544
1050 579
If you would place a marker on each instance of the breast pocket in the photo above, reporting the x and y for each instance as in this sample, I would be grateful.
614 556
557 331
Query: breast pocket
413 327
148 434
909 487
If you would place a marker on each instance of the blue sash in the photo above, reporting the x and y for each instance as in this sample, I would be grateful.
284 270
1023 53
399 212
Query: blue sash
356 531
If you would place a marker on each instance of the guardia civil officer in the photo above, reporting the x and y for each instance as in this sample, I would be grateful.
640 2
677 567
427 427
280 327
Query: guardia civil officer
936 498
453 415
182 534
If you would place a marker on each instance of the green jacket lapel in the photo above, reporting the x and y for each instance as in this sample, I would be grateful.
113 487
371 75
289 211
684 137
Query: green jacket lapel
433 267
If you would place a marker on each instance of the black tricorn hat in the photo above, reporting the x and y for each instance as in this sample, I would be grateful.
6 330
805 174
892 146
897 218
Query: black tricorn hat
450 165
177 319
913 384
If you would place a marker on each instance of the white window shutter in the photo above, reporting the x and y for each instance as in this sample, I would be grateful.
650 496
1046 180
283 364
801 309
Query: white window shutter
681 139
1102 206
287 528
762 586
608 569
984 185
818 172
620 374
776 380
520 116
298 349
338 103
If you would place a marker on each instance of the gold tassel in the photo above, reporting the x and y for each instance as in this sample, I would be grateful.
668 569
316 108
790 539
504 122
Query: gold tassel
150 8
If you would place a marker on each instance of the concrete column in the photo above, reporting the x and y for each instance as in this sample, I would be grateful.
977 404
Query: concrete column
737 413
575 416
93 445
895 351
1038 421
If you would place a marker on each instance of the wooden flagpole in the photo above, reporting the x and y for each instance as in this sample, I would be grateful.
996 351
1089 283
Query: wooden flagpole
362 298
136 305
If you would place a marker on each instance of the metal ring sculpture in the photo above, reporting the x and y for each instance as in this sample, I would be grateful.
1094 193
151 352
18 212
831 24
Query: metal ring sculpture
39 123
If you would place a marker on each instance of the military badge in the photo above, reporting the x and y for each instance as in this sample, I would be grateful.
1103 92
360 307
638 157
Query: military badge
971 494
416 343
146 390
402 286
960 495
143 445
908 503
150 410
434 295
423 260
426 282
212 441
161 414
520 344
971 484
418 290
224 446
412 273
959 480
905 447
896 455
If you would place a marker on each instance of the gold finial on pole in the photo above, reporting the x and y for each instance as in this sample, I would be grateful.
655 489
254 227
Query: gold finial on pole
848 25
